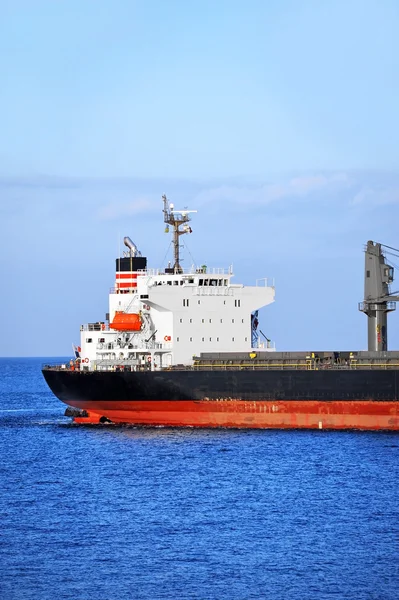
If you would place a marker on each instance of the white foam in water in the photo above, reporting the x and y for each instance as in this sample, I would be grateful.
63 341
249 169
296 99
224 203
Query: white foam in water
10 410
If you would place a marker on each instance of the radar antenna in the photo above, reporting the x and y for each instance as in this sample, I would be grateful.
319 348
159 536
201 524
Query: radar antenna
177 219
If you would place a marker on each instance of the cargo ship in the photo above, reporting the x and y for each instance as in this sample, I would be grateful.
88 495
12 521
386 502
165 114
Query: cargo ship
183 347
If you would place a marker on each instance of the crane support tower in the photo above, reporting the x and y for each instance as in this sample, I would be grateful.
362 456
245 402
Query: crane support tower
378 301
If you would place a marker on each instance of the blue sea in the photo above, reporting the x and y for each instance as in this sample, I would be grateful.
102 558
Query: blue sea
133 513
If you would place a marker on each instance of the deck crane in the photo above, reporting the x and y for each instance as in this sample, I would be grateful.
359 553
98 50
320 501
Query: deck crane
378 301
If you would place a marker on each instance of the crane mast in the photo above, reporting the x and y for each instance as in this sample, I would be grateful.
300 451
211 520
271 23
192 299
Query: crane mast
378 301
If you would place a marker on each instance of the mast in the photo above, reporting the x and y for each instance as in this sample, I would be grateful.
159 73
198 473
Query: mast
179 220
377 299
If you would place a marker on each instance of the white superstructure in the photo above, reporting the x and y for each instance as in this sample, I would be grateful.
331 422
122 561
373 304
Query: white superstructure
162 318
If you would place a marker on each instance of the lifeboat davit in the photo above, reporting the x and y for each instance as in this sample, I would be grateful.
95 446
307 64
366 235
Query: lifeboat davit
126 321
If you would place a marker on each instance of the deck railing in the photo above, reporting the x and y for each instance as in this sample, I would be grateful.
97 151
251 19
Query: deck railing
111 364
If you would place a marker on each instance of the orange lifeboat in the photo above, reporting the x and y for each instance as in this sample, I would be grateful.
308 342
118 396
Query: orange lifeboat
126 321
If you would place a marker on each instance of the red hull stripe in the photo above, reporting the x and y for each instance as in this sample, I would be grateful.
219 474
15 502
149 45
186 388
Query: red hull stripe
285 414
126 276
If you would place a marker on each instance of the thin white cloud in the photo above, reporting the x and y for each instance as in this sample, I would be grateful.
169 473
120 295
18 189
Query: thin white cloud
297 187
116 210
377 196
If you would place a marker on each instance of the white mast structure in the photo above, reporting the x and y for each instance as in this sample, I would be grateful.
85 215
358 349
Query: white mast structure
177 219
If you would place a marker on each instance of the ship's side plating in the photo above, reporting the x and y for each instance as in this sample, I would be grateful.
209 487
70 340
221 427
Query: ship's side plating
329 399
324 390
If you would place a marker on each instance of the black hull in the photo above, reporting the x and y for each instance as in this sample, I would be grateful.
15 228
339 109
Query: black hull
345 385
238 399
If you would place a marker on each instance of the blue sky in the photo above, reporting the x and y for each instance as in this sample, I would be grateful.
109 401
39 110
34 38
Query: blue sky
277 120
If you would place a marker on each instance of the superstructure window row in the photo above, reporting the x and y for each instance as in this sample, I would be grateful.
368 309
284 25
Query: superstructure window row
169 282
208 282
206 320
213 282
210 339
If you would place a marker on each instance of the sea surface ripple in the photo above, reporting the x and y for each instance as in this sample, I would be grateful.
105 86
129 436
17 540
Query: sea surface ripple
133 513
